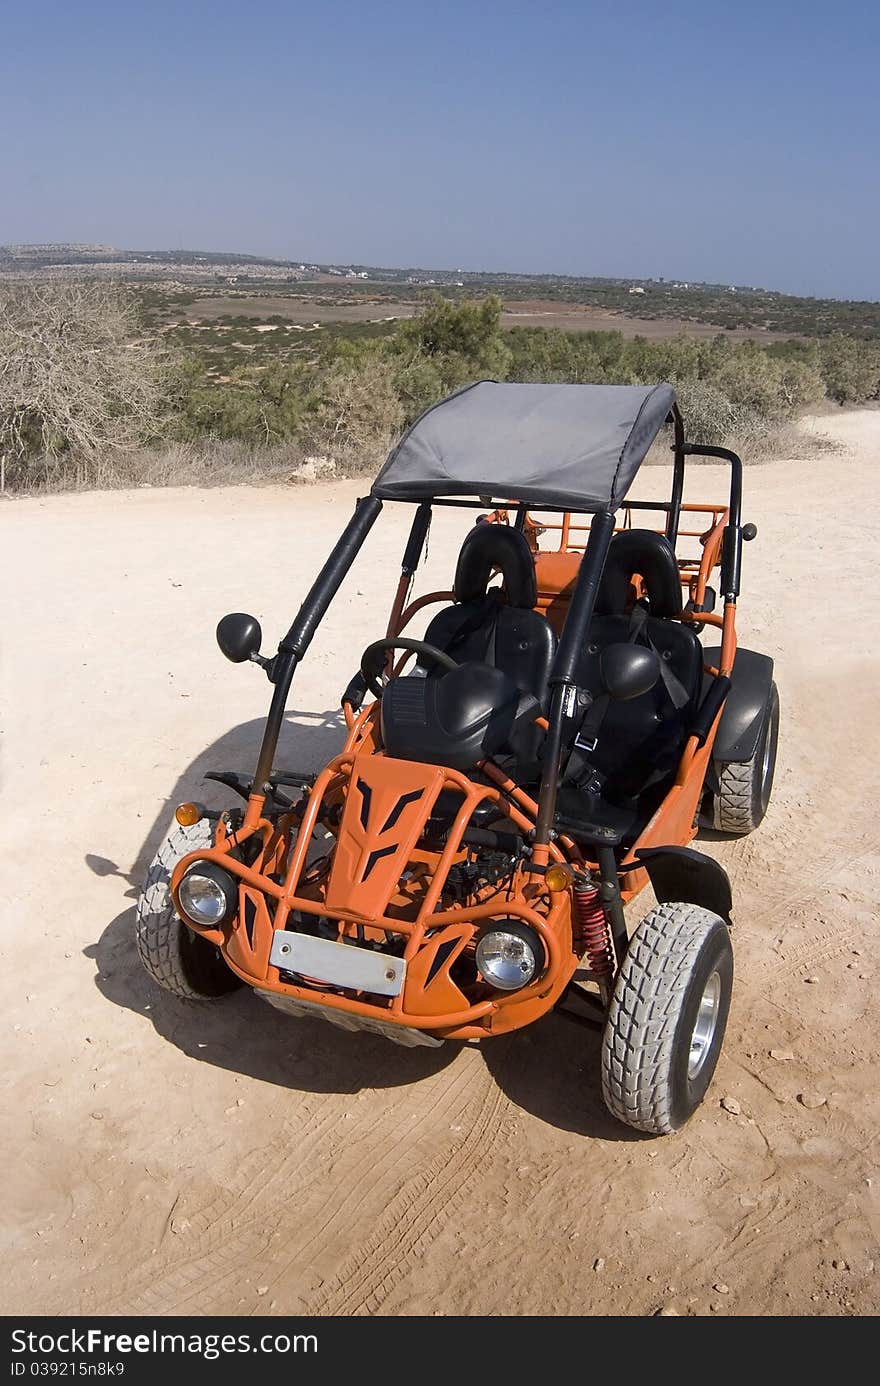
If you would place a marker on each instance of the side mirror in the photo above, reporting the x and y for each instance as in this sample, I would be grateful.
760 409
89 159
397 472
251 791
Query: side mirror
239 636
627 671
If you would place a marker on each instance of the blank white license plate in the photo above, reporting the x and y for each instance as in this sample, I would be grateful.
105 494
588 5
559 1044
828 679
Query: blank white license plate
338 964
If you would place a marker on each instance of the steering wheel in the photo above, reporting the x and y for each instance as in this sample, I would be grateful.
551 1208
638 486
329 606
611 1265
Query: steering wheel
373 658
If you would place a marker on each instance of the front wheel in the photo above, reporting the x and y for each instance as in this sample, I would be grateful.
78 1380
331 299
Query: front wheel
667 1018
175 957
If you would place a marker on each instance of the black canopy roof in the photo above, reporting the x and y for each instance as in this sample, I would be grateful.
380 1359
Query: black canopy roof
573 446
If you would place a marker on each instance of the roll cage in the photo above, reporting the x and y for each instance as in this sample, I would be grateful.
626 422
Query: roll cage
721 543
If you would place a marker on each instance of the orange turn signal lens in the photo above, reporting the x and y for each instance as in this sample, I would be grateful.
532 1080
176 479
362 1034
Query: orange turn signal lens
558 876
188 814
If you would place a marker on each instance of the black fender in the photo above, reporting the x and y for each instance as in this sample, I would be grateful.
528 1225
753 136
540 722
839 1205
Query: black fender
744 706
680 873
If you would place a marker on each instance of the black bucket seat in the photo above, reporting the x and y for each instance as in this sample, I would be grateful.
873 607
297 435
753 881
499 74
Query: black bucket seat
624 755
497 626
505 649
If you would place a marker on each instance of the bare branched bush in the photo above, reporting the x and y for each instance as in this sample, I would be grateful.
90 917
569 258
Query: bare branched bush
78 381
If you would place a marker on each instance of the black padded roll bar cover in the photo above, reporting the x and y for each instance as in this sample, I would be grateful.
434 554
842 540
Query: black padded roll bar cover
650 555
329 580
416 541
710 707
355 692
491 546
731 558
583 600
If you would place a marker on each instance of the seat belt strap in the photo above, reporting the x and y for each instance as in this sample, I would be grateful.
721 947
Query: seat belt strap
588 731
675 689
487 610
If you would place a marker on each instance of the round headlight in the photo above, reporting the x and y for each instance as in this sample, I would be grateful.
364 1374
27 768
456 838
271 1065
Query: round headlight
509 955
208 895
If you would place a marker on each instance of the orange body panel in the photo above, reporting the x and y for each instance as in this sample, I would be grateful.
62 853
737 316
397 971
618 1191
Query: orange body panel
556 574
384 816
354 896
248 946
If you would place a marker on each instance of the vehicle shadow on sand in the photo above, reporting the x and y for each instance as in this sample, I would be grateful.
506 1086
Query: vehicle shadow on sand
550 1070
308 740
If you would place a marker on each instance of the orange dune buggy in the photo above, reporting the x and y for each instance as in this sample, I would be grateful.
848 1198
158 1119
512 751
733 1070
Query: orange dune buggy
519 775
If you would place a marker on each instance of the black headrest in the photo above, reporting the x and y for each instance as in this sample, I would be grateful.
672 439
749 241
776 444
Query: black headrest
489 547
652 557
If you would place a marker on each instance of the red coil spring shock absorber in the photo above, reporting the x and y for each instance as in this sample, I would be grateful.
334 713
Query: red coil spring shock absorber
589 912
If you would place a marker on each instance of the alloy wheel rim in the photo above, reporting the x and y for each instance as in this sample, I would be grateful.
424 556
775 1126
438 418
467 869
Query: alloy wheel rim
705 1025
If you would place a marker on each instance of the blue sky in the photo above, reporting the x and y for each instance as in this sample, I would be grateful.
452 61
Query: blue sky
735 142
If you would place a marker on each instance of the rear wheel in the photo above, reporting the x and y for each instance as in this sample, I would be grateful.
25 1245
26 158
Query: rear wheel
175 957
667 1018
745 786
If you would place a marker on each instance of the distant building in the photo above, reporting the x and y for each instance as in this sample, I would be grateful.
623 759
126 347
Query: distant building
636 289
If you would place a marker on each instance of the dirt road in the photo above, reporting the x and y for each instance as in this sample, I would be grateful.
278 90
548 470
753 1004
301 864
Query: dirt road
160 1157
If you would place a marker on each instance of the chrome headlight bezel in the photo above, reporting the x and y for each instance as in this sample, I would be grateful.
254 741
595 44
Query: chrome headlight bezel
217 884
526 956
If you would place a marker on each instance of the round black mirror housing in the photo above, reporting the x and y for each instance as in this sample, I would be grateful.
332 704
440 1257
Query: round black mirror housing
627 670
239 636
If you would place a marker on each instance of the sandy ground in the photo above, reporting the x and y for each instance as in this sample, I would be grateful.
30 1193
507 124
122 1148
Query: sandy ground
161 1157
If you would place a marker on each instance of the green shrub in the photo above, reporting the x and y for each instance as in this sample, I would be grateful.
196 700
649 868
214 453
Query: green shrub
850 369
255 406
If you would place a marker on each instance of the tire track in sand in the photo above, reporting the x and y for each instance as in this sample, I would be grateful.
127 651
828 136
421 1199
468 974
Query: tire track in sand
282 1222
420 1210
816 874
